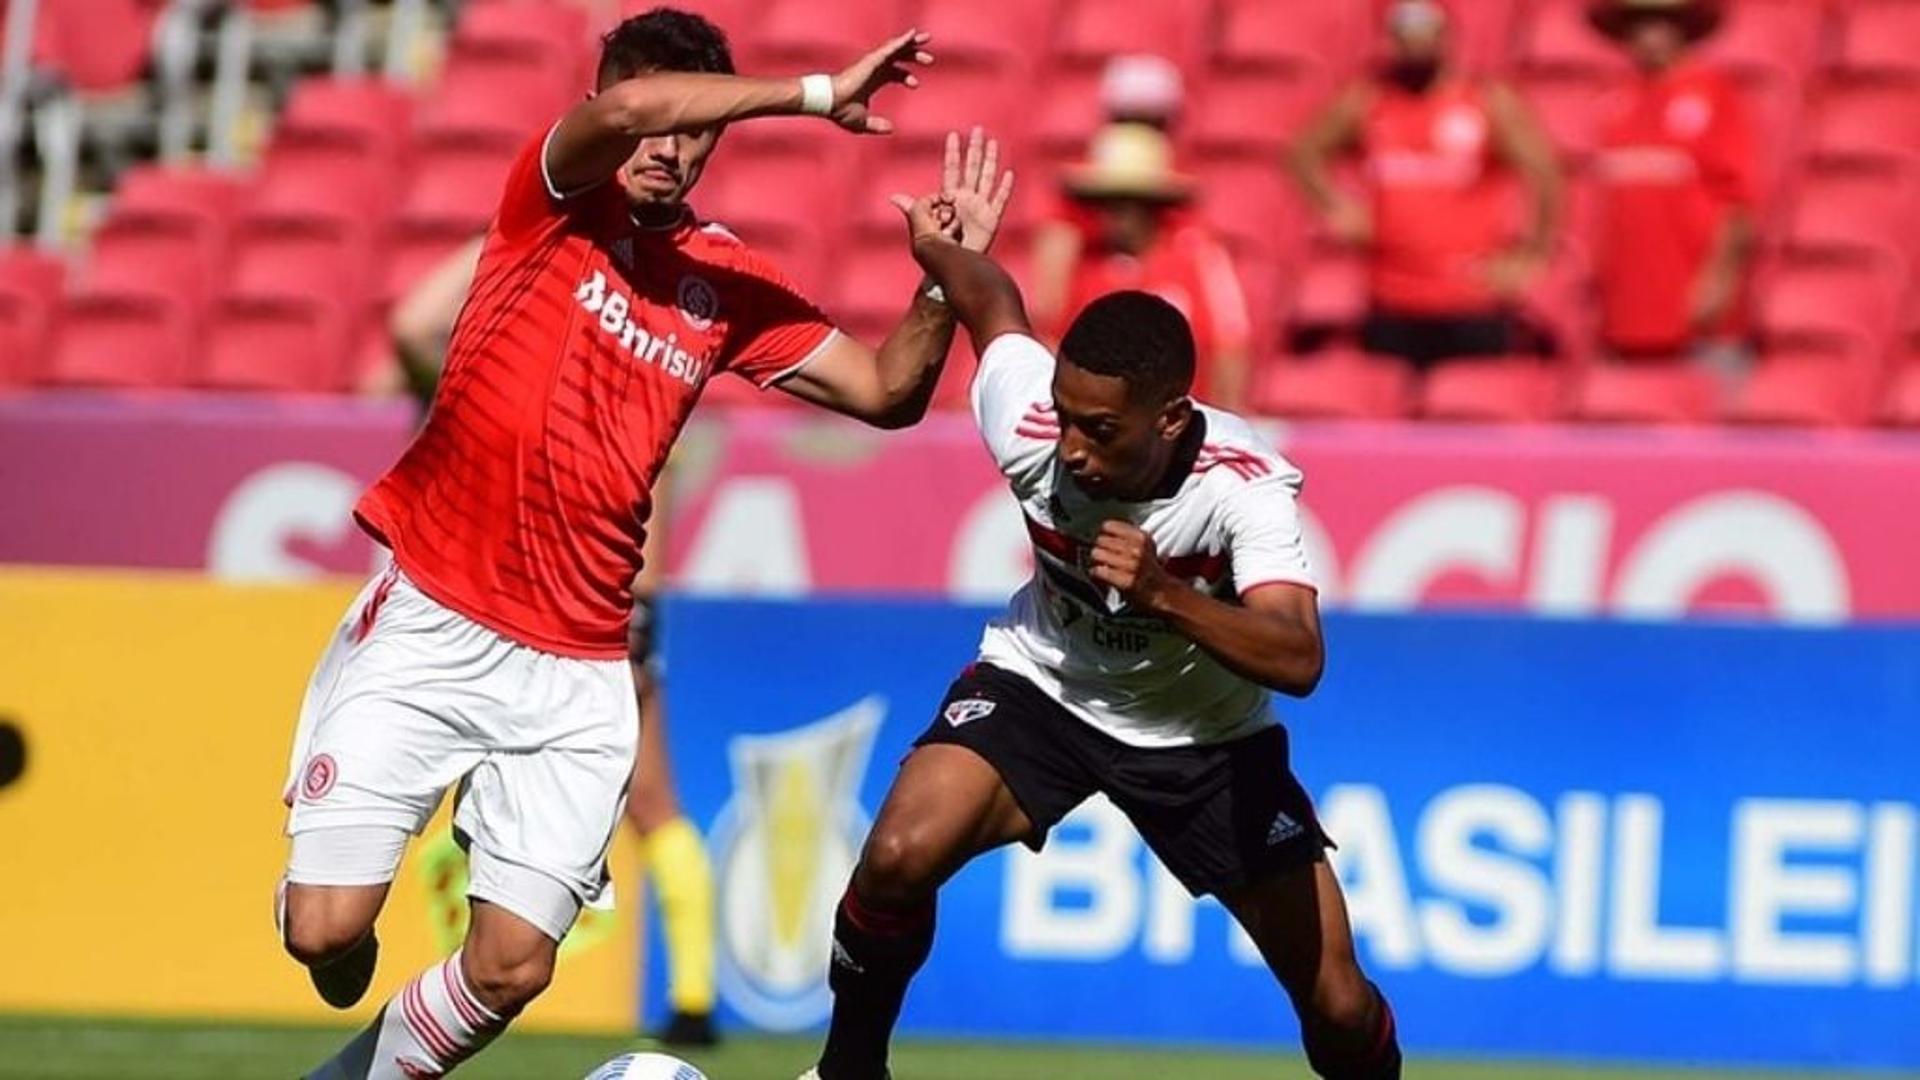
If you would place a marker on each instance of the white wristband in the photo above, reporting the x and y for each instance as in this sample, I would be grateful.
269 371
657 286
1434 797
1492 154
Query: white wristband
816 95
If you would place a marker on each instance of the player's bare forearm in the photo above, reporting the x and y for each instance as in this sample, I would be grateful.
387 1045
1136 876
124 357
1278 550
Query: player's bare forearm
983 296
600 134
1280 651
909 363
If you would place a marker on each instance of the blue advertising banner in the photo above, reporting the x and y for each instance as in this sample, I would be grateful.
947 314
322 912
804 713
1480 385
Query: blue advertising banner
1593 840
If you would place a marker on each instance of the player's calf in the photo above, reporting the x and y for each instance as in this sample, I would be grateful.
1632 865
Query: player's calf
1348 1031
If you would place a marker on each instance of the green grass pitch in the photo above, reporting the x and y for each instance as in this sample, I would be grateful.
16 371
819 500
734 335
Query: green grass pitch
76 1049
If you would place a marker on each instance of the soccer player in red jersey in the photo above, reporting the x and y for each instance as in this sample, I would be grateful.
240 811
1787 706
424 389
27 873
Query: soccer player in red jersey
492 654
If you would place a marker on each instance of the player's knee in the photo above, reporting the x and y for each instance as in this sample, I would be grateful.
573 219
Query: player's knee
314 934
898 867
508 984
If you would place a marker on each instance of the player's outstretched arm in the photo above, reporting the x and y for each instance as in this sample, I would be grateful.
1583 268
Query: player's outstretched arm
1271 637
600 134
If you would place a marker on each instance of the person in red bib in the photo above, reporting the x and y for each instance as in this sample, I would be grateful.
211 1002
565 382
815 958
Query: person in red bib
490 658
1138 232
1448 253
1679 186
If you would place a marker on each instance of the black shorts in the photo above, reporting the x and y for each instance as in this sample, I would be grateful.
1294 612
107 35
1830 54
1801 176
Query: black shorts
1218 816
1426 340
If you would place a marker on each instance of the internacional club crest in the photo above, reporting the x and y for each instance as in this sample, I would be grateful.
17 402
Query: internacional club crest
783 846
699 303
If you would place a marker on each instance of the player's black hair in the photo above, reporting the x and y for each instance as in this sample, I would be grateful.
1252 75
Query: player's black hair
664 39
1137 337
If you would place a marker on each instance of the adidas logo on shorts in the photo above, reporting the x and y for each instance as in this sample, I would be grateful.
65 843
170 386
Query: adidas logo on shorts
1283 829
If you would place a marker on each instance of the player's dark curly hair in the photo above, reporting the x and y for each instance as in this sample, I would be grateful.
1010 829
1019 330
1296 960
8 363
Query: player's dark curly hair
664 39
1138 337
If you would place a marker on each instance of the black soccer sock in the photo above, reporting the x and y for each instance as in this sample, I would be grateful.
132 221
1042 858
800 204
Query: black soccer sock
1343 1055
875 956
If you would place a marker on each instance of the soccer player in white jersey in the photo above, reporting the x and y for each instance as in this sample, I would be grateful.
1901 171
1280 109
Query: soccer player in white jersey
1170 595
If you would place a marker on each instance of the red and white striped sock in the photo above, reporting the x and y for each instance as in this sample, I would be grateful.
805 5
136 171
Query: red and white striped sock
433 1024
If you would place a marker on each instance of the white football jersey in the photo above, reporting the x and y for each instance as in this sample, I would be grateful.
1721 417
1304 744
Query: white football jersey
1231 527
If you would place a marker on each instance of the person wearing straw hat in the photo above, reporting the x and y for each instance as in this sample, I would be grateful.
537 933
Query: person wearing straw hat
1678 187
1448 257
1143 236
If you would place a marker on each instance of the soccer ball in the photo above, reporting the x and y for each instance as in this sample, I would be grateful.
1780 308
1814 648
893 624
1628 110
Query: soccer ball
646 1067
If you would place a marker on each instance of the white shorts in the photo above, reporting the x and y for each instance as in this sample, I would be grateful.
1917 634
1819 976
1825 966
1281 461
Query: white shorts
412 698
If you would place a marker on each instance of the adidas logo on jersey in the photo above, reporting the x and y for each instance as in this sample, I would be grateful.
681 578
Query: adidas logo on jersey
1283 829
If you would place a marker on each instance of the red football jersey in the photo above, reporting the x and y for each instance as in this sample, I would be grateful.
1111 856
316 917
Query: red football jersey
1677 154
583 345
1443 201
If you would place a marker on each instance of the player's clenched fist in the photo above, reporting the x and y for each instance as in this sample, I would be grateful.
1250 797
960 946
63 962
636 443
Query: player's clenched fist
1124 558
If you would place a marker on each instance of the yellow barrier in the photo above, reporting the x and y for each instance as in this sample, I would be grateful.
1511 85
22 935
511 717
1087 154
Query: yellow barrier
140 847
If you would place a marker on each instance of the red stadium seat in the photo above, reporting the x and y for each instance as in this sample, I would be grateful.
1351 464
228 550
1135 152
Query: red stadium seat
873 285
1332 295
325 180
173 257
1804 391
1668 393
498 103
1068 114
455 190
30 286
1334 386
1769 39
1255 113
285 345
804 34
96 46
1849 306
1499 390
1093 31
956 101
120 341
1485 33
1901 408
1571 108
275 259
1880 37
32 273
1557 38
413 254
797 224
1867 121
372 116
529 30
1002 35
209 194
1299 35
1856 211
1254 208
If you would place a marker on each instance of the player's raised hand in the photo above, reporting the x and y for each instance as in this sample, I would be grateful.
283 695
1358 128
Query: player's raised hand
893 62
930 217
979 190
1124 559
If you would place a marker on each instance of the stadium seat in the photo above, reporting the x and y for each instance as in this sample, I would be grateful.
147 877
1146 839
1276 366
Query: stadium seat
1094 31
1867 122
1485 33
1769 39
802 34
119 341
135 253
277 258
210 194
414 252
30 287
873 285
1645 393
321 179
95 46
274 344
1255 113
1901 408
1556 38
1304 37
24 271
1846 306
1254 208
1339 385
454 189
956 101
1804 391
798 224
1067 115
1497 390
500 103
373 116
1571 107
1880 38
1332 295
528 30
1856 211
1000 35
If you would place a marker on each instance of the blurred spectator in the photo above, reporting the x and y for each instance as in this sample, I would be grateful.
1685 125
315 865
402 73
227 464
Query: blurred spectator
1134 88
1678 183
1440 153
423 319
1143 235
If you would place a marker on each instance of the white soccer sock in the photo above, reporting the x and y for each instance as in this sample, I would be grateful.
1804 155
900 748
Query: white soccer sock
434 1023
